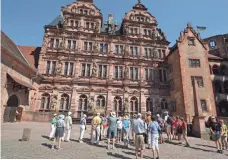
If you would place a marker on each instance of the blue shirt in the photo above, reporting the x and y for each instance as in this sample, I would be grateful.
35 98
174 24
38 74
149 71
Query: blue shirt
154 126
112 123
83 121
139 126
126 124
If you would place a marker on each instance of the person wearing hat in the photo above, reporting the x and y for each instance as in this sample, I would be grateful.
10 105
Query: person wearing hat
112 129
60 126
53 126
139 130
82 128
96 122
126 129
68 121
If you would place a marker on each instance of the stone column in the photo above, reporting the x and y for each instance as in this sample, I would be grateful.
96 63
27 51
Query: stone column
77 69
109 101
143 102
74 104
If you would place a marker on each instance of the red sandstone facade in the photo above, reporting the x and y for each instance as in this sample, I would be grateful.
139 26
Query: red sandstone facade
88 64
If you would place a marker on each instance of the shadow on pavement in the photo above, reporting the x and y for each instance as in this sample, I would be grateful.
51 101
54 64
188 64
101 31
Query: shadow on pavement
45 137
130 153
174 143
47 145
205 150
119 156
205 145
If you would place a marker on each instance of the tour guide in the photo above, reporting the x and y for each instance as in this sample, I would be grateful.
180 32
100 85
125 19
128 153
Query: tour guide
139 130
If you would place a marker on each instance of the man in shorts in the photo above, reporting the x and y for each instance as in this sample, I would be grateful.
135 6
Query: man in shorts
112 129
139 130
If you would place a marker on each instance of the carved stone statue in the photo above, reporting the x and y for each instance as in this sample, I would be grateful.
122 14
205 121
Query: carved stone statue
154 34
54 102
59 68
94 69
126 50
97 26
96 47
126 106
126 72
91 105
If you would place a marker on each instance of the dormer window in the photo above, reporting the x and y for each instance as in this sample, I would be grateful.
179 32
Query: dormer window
212 44
191 42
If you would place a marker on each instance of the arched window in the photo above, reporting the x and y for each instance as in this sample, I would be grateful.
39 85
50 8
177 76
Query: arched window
164 104
118 104
217 86
82 106
64 102
101 101
45 101
13 101
223 70
215 69
149 105
134 104
226 86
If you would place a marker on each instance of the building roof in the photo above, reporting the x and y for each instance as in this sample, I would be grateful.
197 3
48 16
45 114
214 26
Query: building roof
11 48
58 20
31 53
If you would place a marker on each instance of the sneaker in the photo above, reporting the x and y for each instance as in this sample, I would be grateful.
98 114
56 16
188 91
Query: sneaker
157 158
221 151
218 151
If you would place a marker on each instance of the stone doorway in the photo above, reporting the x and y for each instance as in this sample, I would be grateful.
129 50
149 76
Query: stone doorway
11 109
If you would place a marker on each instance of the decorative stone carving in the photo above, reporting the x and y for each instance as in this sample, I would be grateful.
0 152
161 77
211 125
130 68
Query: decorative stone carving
91 106
96 47
126 106
126 72
54 102
126 29
94 69
97 26
59 68
157 104
126 50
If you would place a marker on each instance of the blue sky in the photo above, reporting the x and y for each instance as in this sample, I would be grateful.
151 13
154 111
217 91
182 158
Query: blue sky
23 20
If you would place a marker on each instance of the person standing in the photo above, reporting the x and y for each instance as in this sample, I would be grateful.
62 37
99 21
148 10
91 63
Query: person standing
119 129
126 130
53 127
184 131
148 135
60 126
68 121
96 122
154 128
215 129
112 129
82 128
174 127
161 124
224 135
105 126
139 130
132 132
168 123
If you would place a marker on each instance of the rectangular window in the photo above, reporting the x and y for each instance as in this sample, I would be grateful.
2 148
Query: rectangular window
159 53
146 52
52 43
85 46
76 23
134 73
74 45
149 32
164 76
92 25
48 67
88 46
163 52
131 51
88 70
53 67
66 68
69 44
146 74
116 72
100 71
203 105
57 43
145 32
83 70
87 25
135 51
103 48
198 80
71 23
118 49
120 72
71 69
194 63
191 42
105 71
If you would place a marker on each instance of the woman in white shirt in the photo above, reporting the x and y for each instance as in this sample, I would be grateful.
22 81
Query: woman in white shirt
119 129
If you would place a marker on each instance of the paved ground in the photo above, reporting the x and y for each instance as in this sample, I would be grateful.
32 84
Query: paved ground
38 146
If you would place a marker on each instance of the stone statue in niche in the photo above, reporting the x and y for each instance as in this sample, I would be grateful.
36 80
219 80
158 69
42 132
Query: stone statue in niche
96 47
126 106
126 72
126 50
54 102
94 69
59 68
91 105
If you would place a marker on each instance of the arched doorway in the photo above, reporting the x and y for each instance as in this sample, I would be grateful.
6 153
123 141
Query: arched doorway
11 108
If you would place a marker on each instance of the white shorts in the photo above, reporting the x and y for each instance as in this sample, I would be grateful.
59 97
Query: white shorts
154 141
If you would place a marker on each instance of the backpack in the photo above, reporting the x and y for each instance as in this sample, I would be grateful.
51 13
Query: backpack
169 120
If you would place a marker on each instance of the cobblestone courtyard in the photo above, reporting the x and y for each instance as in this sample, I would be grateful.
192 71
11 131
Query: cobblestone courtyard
38 147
